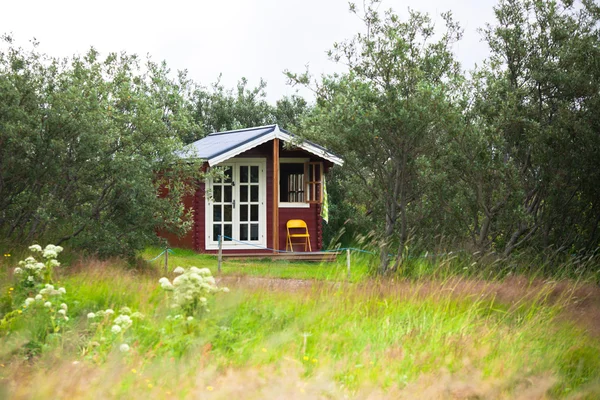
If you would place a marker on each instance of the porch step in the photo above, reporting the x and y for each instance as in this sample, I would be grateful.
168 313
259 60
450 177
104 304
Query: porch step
296 256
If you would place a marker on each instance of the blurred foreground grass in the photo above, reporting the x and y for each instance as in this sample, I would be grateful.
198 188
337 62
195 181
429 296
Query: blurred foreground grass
325 338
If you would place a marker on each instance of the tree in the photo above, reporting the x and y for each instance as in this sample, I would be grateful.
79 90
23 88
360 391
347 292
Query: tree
219 109
81 142
541 97
387 114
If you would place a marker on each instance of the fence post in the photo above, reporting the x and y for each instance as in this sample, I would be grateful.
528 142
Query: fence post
166 260
220 257
348 262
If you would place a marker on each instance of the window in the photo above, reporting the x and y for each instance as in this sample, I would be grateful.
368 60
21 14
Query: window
300 183
315 182
291 183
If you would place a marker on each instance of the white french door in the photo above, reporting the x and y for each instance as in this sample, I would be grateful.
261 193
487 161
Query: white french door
236 206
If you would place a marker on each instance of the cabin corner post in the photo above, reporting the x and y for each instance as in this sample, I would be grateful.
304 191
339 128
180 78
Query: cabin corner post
275 184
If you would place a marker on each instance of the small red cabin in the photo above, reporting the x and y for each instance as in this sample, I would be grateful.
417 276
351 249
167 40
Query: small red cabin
269 177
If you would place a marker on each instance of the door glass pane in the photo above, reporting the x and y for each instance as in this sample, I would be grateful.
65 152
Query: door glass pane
254 212
227 195
243 174
243 193
227 213
254 174
217 194
216 232
253 193
228 174
217 213
253 231
244 212
228 232
244 232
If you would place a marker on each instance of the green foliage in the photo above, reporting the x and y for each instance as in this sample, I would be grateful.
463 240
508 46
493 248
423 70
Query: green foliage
219 109
81 142
528 153
499 161
387 116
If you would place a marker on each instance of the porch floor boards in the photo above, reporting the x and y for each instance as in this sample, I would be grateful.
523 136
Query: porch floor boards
296 256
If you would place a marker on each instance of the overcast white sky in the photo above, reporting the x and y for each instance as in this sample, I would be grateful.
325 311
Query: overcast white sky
255 39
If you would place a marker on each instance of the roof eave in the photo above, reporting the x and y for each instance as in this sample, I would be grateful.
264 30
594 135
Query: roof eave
309 147
275 134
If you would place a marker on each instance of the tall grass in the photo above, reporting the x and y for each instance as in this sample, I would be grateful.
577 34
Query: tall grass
584 269
450 337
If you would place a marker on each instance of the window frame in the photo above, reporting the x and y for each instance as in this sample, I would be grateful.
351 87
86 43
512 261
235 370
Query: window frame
290 204
311 184
308 185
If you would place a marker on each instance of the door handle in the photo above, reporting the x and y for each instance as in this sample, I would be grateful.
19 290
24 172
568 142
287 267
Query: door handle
233 202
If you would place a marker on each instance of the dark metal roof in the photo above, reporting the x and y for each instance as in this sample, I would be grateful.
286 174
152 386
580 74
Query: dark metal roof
220 146
218 143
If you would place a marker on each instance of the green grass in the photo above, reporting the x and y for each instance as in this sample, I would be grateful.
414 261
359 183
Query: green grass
334 271
326 339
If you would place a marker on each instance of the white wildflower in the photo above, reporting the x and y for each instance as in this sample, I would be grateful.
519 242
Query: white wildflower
225 289
210 280
179 270
66 318
36 248
18 271
91 315
190 318
29 300
30 278
205 272
62 290
47 304
54 263
124 348
109 311
38 297
64 306
51 251
163 280
179 280
203 300
39 266
115 329
62 312
137 314
124 321
125 310
195 270
49 254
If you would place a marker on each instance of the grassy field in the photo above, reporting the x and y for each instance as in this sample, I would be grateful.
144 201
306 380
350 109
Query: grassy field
265 268
311 336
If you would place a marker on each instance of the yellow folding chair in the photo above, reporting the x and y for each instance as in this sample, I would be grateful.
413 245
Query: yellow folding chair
297 224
